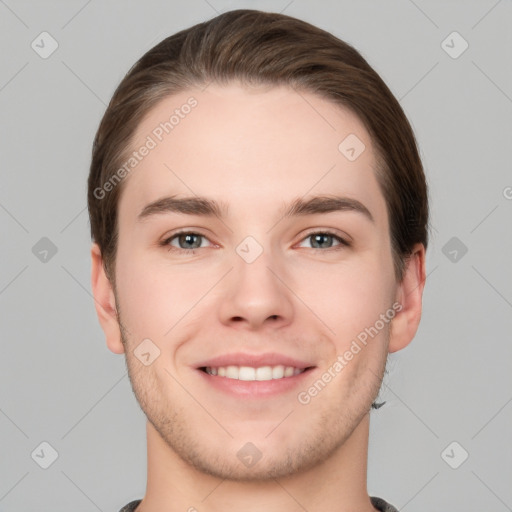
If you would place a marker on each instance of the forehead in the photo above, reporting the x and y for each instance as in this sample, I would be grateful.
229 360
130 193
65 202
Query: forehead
250 147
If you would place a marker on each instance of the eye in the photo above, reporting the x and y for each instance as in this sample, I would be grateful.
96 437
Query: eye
323 240
185 241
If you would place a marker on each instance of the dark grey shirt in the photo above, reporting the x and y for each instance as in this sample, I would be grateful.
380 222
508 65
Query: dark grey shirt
378 503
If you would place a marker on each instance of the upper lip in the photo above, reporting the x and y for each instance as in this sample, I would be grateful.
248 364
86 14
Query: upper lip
254 360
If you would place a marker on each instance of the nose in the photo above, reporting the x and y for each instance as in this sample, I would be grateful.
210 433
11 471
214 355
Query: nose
255 294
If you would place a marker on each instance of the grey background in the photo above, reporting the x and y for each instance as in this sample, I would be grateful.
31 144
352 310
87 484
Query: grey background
59 383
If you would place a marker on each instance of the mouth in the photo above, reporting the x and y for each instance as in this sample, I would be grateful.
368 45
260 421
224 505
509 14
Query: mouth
249 373
256 376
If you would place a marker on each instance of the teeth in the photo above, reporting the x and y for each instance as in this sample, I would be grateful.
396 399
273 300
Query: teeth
288 371
263 373
232 372
249 373
278 372
246 373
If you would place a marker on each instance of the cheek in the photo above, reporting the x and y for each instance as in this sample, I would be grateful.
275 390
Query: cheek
155 296
347 297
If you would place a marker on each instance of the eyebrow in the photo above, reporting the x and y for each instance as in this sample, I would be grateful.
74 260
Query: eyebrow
203 206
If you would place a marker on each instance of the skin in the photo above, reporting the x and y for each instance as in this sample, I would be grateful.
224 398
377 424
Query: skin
255 149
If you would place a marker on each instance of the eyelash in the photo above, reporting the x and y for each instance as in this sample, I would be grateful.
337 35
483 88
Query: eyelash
166 243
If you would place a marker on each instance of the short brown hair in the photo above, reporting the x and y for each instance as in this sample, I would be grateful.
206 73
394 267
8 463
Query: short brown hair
255 47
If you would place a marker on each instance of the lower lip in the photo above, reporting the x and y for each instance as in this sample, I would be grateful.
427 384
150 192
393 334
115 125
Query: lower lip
256 388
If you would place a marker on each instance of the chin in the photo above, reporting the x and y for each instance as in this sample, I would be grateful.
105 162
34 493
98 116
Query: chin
269 467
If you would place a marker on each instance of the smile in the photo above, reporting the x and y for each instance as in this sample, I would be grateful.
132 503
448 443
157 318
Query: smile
254 376
249 373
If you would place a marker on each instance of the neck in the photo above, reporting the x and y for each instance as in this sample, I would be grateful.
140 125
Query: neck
337 484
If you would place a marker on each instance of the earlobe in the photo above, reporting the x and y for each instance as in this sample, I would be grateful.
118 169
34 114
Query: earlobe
409 296
104 302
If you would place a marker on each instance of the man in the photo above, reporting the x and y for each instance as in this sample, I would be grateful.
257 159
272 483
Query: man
259 215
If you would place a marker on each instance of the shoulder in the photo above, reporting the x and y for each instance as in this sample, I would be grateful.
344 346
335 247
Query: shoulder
130 507
381 505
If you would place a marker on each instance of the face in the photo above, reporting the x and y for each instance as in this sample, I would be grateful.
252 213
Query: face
249 307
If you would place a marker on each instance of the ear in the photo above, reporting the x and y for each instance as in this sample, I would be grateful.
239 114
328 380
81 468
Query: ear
409 296
104 301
